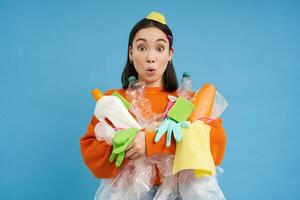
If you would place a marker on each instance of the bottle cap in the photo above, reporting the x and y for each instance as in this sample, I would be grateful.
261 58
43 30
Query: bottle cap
185 74
97 94
131 79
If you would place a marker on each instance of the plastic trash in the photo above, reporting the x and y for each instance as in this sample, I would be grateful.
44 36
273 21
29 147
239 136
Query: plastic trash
220 104
185 88
205 188
132 182
134 178
141 106
105 132
112 108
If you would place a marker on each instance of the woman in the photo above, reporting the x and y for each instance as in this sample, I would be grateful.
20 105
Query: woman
150 53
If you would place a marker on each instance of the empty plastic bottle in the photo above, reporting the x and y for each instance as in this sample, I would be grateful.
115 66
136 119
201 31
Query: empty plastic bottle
140 106
185 87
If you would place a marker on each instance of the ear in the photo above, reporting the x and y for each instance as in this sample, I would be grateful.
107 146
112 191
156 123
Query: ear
171 52
130 52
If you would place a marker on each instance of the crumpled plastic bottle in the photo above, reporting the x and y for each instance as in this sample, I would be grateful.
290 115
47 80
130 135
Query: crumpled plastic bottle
185 87
140 106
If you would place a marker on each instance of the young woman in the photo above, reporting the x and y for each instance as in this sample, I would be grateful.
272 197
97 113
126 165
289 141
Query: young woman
150 53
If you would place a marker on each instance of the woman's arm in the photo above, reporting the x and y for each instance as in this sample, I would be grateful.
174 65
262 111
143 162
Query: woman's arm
153 148
96 153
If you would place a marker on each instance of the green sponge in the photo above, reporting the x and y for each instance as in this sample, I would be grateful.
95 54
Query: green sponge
181 110
124 101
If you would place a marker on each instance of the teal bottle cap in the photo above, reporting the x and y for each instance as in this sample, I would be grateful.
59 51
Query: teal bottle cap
185 74
131 79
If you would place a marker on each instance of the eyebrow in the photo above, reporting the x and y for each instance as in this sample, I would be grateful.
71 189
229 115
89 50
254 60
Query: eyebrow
163 40
142 39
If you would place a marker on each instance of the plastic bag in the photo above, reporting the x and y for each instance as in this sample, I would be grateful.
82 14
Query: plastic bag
105 132
220 104
132 182
206 188
169 186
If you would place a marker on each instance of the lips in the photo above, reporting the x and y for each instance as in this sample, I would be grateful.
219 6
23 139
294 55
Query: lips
150 71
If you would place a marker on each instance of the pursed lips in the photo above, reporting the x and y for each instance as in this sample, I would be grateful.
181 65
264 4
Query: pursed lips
150 69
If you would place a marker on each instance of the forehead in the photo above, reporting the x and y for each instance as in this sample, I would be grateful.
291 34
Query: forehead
150 34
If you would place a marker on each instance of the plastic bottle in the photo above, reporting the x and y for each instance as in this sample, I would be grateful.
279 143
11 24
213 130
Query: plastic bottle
185 87
140 106
135 90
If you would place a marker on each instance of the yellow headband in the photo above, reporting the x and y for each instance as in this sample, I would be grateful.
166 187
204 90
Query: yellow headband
156 16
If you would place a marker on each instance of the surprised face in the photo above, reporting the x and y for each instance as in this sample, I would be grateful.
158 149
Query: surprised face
150 54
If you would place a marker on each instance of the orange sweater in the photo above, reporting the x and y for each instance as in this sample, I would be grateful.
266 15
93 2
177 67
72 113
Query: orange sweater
96 153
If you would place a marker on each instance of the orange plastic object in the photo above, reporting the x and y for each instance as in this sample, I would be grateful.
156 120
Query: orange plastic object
204 101
97 94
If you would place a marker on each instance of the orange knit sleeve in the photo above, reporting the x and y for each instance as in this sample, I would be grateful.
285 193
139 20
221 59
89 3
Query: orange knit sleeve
217 140
153 148
96 153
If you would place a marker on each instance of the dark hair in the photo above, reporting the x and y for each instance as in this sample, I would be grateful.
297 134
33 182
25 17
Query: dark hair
169 77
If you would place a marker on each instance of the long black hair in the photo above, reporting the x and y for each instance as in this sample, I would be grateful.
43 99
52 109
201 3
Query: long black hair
169 77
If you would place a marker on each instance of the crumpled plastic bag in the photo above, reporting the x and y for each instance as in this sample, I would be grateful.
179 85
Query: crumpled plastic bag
168 188
205 188
184 185
220 104
132 182
105 132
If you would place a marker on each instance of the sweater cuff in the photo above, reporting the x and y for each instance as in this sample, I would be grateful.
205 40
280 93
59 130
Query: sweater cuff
153 148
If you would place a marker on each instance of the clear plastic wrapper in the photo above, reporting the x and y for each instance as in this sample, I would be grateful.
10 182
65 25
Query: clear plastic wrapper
184 185
132 182
168 189
220 104
169 186
164 163
206 188
105 132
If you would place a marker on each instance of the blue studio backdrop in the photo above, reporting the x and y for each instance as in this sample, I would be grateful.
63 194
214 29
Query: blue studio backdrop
53 53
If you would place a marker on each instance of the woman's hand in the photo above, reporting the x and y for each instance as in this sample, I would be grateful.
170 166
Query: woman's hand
138 147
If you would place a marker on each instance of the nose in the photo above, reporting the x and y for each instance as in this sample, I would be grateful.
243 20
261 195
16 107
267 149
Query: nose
151 57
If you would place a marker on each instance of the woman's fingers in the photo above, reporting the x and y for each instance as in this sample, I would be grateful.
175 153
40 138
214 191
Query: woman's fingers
129 147
137 147
134 156
130 152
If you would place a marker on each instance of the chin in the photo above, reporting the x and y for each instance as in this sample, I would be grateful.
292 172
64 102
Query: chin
152 81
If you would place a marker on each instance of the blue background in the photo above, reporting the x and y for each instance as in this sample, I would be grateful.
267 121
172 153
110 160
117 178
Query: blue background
53 53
